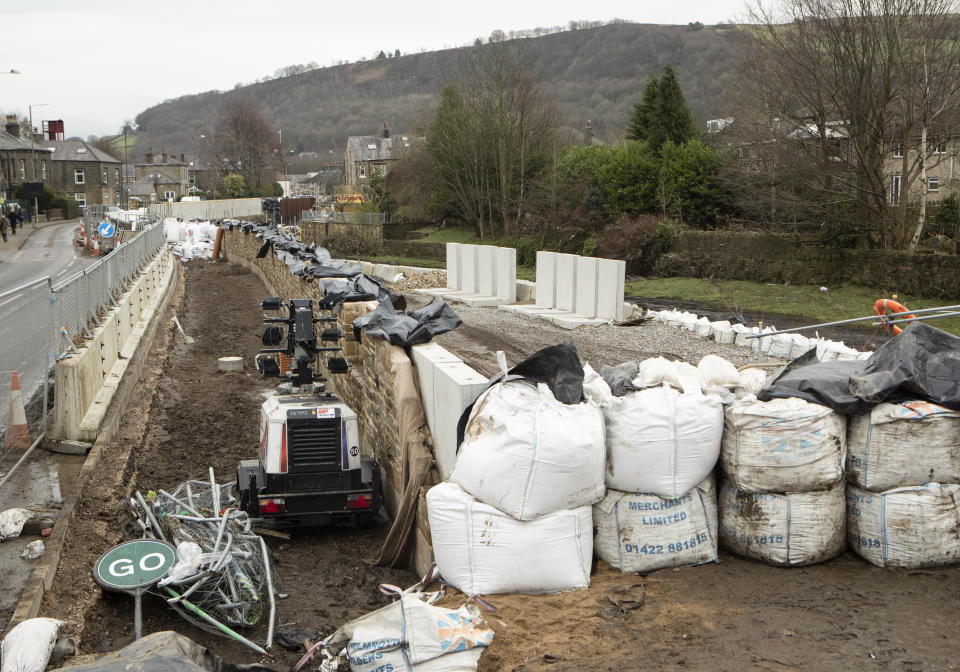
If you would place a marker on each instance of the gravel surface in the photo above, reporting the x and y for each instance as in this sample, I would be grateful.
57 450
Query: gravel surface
486 330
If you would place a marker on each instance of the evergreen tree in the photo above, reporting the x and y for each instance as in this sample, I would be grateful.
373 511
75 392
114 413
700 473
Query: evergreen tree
662 114
638 128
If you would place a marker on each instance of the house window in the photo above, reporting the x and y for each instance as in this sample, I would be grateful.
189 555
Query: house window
895 181
169 195
105 178
81 198
363 171
898 150
193 180
78 176
23 169
116 175
940 148
43 169
933 184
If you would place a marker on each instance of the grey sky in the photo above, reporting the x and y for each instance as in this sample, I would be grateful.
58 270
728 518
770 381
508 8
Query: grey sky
99 62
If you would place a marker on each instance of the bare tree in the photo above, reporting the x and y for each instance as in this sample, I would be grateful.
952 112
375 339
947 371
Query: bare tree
837 85
244 142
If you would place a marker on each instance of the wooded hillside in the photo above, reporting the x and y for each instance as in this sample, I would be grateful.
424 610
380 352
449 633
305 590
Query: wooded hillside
594 73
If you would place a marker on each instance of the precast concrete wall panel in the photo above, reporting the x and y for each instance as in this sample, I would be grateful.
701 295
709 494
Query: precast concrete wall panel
586 286
547 279
566 281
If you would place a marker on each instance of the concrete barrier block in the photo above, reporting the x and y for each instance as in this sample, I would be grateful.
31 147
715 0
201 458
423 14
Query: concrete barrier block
468 268
426 357
586 289
505 271
453 265
456 386
547 279
610 278
566 281
486 275
524 290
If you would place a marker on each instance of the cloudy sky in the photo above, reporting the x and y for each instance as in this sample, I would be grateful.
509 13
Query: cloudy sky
96 63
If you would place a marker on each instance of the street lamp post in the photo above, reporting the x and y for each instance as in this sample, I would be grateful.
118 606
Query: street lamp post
33 160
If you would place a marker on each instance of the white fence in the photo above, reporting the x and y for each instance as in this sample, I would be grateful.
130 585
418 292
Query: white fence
232 208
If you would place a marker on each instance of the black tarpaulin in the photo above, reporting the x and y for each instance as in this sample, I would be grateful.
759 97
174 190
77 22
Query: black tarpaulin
411 328
921 363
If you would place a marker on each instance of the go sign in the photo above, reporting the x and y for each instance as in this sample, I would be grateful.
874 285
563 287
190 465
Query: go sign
134 565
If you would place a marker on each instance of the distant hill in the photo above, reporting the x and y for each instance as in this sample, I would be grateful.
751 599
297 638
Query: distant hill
593 73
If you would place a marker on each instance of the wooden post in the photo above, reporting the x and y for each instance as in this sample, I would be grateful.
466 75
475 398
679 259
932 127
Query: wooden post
217 243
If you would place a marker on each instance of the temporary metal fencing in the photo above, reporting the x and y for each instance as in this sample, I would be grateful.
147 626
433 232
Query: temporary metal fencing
40 321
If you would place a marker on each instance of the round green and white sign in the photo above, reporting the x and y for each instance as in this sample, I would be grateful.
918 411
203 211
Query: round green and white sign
134 564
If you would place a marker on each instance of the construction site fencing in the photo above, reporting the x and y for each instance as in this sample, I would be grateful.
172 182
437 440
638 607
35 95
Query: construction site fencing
232 208
78 302
41 321
27 340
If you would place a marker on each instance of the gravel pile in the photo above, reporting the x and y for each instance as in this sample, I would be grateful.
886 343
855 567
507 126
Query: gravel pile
486 330
425 280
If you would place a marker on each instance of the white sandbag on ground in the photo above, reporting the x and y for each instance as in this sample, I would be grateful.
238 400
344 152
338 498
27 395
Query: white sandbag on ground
12 522
905 527
781 345
788 529
662 441
27 647
481 550
528 454
742 331
172 230
656 370
897 445
715 371
762 345
782 445
752 380
727 335
410 634
641 533
801 344
703 328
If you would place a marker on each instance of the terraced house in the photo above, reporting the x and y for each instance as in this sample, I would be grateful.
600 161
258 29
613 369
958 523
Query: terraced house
82 172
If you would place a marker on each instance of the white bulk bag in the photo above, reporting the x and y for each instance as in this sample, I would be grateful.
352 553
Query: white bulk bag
726 335
528 454
172 230
801 345
674 318
688 321
27 647
410 634
703 328
480 549
662 441
782 445
897 445
715 371
798 528
781 345
762 345
656 370
742 331
752 380
905 527
641 533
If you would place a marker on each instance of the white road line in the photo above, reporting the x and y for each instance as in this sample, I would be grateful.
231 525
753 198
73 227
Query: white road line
15 296
61 272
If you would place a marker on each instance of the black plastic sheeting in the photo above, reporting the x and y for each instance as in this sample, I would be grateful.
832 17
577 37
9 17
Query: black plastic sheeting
620 377
921 363
556 366
164 652
405 329
339 280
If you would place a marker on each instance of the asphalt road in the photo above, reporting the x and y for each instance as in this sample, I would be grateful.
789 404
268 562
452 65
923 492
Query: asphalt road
37 252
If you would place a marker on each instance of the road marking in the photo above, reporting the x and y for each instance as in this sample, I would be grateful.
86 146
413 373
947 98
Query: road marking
62 272
15 296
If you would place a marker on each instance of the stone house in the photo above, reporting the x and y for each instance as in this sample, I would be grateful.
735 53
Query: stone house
943 170
18 163
82 172
367 153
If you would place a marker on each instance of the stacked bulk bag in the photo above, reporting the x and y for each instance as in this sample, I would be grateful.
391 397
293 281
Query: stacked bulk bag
902 496
528 454
910 443
516 515
717 372
642 533
788 529
782 445
907 527
752 380
480 549
661 441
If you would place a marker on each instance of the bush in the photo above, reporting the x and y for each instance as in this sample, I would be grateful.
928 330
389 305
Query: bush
639 240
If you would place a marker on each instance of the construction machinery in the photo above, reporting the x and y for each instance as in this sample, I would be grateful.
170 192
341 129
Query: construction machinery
311 470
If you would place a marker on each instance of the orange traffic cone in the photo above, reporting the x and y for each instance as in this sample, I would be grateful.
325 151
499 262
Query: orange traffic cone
18 435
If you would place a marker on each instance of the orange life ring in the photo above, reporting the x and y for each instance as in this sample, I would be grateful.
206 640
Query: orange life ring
884 307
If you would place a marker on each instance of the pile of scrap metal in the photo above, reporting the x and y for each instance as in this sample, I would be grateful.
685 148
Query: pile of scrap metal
223 574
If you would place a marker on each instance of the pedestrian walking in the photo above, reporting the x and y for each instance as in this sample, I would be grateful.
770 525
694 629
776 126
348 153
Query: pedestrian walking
3 226
14 220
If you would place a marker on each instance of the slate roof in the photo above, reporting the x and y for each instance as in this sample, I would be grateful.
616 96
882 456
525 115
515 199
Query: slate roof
11 142
77 150
370 147
147 184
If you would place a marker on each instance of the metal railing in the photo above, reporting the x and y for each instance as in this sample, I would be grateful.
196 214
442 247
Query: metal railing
80 300
40 321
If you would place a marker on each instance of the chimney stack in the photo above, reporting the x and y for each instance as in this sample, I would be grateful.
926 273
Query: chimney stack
182 160
163 158
588 134
386 130
149 158
13 125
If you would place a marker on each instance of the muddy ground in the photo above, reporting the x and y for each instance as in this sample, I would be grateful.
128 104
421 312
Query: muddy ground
733 615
